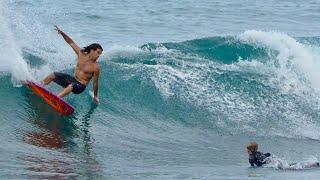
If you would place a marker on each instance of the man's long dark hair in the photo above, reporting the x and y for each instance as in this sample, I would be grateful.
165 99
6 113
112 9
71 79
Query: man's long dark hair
93 46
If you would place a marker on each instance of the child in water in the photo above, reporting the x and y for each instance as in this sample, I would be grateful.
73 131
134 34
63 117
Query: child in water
255 157
258 158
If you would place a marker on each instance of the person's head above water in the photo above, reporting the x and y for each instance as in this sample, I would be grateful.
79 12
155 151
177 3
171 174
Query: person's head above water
93 46
95 49
252 147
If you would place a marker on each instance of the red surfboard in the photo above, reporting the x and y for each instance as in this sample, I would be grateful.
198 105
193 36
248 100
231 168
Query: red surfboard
50 98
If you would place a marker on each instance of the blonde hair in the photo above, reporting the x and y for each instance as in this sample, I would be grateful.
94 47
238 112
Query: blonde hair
252 146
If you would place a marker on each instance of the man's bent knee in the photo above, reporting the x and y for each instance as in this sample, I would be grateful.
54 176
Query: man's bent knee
66 91
52 76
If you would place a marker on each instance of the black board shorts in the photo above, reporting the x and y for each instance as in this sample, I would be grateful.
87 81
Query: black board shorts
65 80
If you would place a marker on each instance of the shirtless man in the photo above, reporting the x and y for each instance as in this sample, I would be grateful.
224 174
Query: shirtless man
87 67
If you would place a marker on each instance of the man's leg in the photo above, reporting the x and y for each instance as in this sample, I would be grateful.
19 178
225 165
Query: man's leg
48 79
66 91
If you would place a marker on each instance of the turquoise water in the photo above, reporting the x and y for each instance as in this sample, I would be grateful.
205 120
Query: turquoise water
184 86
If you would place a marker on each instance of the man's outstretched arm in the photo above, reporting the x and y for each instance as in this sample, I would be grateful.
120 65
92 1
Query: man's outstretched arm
74 46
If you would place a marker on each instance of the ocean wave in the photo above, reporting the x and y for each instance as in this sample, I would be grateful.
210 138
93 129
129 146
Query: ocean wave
254 83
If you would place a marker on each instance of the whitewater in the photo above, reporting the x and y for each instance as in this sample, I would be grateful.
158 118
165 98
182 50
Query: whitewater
183 88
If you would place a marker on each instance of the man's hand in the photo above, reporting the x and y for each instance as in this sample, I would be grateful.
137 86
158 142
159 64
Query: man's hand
74 46
57 29
96 99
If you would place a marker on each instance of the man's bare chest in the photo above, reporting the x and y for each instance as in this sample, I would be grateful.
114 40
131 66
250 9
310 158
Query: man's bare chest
85 66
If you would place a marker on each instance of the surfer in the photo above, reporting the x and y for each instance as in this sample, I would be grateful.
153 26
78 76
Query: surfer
255 157
86 68
258 158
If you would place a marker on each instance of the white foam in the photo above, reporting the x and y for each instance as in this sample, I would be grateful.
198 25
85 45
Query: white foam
296 71
123 51
117 50
278 163
11 59
20 34
297 62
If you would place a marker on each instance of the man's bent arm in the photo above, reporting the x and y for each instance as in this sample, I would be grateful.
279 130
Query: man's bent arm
96 82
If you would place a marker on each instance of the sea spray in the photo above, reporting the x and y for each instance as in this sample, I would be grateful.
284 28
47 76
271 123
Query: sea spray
11 59
298 64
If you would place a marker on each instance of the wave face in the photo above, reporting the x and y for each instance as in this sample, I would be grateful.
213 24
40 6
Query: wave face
258 81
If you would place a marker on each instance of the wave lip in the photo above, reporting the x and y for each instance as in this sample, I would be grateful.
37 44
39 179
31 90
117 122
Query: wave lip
293 59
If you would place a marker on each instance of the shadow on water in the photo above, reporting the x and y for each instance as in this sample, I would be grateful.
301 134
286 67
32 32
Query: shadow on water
64 143
56 128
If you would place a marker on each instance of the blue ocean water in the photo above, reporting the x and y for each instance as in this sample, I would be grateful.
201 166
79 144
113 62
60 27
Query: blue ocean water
184 86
